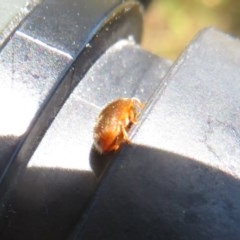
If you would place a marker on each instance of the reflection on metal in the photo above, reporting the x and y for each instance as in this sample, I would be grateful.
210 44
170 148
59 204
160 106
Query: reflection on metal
26 79
67 144
12 13
14 118
44 45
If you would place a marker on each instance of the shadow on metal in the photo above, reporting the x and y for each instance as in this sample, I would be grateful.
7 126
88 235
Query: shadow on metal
151 194
46 204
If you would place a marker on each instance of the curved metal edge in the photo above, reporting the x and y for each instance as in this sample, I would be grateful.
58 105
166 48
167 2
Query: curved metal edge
16 22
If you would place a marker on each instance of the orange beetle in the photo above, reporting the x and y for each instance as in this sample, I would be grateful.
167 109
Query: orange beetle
113 123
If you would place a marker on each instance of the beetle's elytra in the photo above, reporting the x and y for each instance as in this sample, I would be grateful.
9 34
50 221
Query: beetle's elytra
113 123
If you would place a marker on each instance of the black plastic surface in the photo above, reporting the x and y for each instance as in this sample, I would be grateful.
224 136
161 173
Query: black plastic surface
43 76
68 25
64 170
180 177
40 67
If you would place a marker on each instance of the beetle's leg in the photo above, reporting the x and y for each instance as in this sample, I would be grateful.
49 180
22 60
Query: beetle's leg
132 116
124 133
115 147
123 137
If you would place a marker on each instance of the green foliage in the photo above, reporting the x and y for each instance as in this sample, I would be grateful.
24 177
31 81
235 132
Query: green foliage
175 22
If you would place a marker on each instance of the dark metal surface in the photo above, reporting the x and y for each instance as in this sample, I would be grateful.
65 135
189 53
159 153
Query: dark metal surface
63 173
180 177
35 70
35 74
40 66
68 25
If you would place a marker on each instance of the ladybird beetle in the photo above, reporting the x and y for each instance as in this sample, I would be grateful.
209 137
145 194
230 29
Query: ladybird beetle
113 123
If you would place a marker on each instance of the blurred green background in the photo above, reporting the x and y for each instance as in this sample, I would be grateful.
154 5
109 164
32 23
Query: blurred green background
169 25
